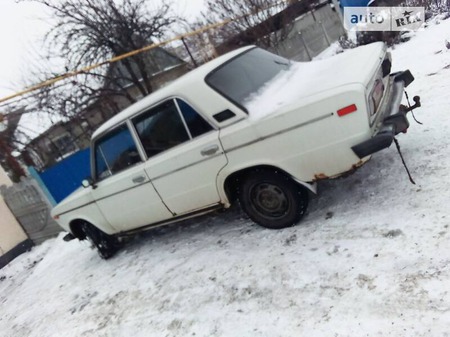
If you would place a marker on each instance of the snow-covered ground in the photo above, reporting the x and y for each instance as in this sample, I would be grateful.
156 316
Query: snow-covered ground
371 258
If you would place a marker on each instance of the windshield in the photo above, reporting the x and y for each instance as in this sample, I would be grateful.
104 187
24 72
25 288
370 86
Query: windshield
246 74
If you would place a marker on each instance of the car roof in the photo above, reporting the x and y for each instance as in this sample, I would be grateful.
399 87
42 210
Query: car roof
174 87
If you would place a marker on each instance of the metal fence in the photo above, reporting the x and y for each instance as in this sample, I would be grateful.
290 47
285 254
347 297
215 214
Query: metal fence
31 209
66 176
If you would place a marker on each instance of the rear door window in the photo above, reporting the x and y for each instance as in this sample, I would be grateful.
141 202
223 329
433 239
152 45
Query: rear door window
195 123
161 128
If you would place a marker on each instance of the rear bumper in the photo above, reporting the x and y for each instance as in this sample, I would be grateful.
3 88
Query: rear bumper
395 120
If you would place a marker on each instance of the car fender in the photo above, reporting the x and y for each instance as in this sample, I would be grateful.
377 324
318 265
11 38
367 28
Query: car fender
229 171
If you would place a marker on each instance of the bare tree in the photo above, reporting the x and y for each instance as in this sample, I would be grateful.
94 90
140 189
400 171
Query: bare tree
9 141
9 162
87 32
434 5
261 22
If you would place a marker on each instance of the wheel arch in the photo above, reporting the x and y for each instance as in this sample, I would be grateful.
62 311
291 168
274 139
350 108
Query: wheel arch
232 181
75 228
106 245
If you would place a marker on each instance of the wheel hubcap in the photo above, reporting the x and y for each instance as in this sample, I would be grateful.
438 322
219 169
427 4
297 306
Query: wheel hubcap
269 200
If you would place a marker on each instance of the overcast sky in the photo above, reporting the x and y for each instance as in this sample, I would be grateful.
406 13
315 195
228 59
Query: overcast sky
22 27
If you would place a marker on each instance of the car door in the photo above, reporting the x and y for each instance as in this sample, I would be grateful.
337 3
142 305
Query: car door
184 155
123 191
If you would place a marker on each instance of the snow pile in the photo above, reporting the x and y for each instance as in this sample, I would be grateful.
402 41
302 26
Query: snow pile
371 258
274 94
286 88
334 49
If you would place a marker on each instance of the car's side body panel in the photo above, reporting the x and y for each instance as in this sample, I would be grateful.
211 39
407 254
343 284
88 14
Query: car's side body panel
79 205
183 172
115 194
312 142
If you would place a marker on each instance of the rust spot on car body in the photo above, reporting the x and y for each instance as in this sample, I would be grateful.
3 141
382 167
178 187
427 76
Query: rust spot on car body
322 176
352 169
358 164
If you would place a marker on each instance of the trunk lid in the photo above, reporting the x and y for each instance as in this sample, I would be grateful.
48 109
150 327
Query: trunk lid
305 79
354 66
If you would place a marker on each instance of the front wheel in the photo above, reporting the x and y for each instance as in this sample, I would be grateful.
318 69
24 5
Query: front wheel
273 200
106 245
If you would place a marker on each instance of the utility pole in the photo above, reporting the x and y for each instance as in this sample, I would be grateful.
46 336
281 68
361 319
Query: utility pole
337 8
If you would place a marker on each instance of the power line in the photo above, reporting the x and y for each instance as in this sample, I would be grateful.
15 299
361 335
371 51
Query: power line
132 53
29 95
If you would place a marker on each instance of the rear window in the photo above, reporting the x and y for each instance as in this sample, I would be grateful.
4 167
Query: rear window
246 74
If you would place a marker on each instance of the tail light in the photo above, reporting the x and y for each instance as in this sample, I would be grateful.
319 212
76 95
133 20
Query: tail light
347 110
376 96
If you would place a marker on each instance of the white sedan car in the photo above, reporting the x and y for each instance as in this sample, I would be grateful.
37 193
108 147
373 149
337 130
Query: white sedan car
248 126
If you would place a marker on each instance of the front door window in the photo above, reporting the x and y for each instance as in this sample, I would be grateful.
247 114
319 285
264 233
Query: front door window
115 152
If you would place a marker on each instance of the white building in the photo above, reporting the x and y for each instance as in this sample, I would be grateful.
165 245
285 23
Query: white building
13 240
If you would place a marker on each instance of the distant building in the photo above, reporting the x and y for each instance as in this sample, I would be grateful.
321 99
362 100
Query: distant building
13 240
275 23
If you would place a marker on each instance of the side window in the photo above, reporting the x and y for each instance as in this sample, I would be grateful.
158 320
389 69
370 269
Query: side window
115 152
160 128
196 124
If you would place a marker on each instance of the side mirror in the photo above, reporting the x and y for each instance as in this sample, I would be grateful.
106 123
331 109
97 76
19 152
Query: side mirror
87 182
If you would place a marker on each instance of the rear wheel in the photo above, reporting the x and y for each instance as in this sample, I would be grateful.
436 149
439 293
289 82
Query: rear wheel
273 200
106 244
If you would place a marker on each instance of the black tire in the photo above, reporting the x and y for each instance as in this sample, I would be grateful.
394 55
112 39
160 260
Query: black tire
273 200
106 245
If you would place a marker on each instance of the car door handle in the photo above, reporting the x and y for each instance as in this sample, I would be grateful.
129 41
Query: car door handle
138 179
210 150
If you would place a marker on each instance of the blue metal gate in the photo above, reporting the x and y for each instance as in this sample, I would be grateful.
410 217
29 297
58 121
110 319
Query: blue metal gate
66 176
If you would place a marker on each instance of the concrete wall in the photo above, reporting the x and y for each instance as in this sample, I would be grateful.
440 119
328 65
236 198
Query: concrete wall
11 233
311 34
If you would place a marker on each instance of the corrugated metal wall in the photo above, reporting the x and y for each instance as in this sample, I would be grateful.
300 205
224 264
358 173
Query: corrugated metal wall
66 176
